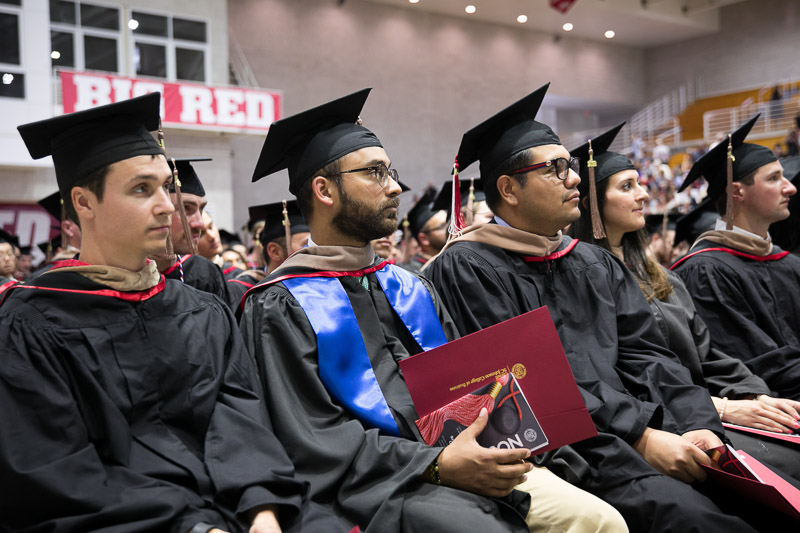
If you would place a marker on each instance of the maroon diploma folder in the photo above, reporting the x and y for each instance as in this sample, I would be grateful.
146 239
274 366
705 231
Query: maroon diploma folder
526 346
772 490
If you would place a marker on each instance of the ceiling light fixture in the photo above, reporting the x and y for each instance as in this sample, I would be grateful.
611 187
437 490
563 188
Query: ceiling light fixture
567 26
522 19
609 34
413 1
133 24
470 9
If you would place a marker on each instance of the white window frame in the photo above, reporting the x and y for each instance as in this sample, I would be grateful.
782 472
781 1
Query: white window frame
78 32
170 43
11 68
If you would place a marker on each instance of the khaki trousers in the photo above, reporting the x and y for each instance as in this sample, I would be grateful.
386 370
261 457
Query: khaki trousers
559 507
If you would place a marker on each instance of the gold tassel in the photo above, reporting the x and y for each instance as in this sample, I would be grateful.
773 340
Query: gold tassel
598 232
406 239
64 239
729 187
187 233
469 216
287 229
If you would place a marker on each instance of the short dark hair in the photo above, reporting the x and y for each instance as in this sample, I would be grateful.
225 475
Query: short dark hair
95 181
722 202
305 194
515 162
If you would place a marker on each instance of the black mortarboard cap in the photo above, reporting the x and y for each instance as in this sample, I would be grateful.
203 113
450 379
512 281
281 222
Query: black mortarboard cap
713 164
445 197
52 204
696 222
420 213
654 221
403 187
7 237
608 163
85 141
228 239
25 250
190 181
506 134
304 143
53 244
272 215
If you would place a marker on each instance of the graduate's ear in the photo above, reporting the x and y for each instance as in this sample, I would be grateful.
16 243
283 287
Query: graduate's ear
323 190
423 239
738 191
508 188
275 253
84 202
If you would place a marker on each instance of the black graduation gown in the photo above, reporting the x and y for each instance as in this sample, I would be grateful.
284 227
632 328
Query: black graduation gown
628 378
134 416
238 287
202 274
688 337
752 309
230 272
414 264
373 479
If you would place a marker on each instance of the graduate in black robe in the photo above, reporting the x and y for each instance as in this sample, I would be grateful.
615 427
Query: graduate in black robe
327 329
739 396
129 401
746 289
639 396
187 227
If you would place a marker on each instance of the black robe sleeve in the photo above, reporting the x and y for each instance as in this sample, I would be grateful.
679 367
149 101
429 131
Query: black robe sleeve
742 323
688 336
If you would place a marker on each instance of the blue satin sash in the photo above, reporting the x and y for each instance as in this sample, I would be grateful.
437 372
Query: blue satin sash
344 364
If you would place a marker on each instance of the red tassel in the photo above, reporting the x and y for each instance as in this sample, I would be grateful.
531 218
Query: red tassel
464 411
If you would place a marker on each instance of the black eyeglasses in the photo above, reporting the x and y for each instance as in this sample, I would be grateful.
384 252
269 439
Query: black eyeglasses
562 165
381 172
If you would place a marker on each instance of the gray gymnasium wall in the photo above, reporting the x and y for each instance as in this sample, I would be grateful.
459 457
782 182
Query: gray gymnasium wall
758 44
434 77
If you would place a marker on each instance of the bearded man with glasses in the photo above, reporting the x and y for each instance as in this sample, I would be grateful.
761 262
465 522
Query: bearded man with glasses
653 422
327 329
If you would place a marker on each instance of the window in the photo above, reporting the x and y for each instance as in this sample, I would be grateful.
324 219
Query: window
9 38
12 77
85 35
174 48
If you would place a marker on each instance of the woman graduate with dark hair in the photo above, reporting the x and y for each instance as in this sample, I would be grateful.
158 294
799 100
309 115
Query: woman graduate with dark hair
612 217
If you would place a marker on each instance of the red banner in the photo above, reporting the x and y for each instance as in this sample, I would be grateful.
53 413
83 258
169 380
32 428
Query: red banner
182 104
30 223
562 6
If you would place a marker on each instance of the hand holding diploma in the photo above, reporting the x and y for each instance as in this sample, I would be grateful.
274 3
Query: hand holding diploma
674 455
465 464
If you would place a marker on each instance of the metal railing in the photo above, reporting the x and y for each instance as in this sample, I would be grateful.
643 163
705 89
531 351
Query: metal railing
777 118
660 117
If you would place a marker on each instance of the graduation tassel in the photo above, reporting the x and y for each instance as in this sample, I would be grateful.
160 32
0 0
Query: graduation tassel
406 239
187 234
287 229
457 224
64 241
667 253
729 188
469 216
597 223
